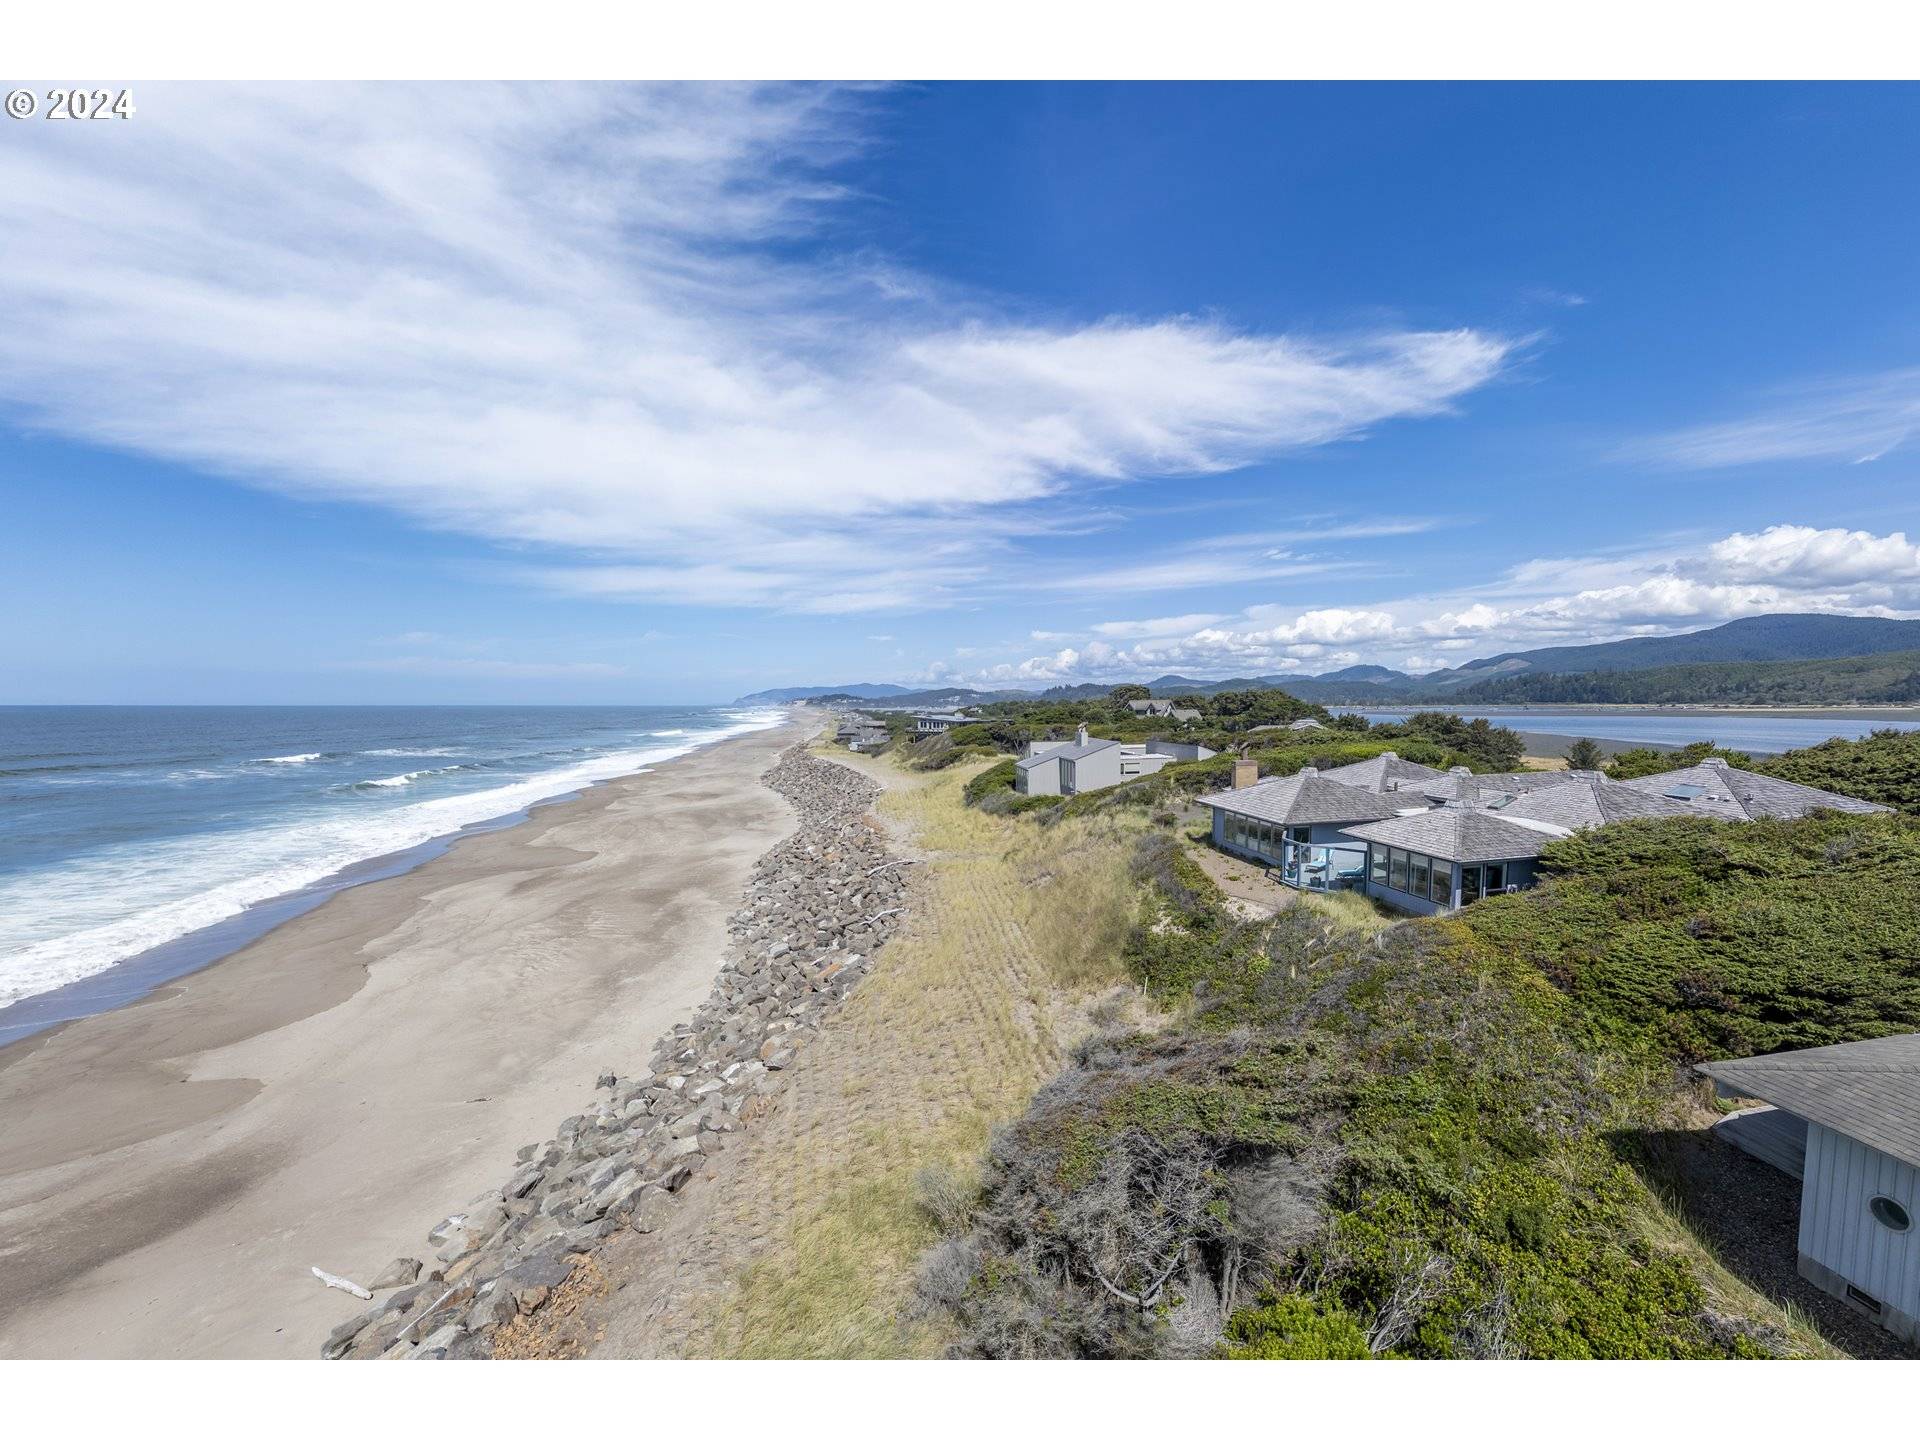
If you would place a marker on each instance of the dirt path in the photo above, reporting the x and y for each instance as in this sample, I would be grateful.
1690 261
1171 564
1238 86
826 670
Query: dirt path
802 1243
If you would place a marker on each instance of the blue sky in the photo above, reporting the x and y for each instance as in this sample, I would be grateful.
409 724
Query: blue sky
603 394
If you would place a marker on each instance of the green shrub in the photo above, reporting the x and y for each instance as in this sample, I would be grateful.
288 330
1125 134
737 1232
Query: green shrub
1290 1327
993 780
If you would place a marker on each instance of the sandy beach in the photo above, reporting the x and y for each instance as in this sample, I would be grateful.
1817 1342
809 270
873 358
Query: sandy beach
170 1171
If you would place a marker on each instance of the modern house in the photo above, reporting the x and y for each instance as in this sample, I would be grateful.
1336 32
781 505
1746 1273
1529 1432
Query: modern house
1434 842
862 732
938 722
1845 1121
1070 767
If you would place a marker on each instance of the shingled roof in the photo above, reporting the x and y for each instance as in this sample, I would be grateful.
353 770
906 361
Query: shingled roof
1599 801
1464 835
1382 773
1868 1090
1725 788
1306 798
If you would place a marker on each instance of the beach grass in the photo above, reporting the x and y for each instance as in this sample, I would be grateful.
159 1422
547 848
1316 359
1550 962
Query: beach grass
1016 929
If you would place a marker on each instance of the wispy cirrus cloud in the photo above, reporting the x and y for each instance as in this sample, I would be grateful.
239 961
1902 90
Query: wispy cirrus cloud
1854 420
613 326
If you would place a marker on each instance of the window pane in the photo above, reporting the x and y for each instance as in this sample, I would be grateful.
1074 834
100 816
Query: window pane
1417 875
1397 870
1442 892
1496 879
1377 861
1469 884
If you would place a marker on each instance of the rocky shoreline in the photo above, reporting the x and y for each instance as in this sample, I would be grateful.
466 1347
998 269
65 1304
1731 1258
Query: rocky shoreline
818 907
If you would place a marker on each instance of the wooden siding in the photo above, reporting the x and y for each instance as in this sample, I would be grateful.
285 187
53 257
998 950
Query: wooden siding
1840 1235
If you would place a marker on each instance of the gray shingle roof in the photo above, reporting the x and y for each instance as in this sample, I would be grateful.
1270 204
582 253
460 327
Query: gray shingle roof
1597 801
1460 834
1304 799
1378 773
1725 788
1869 1089
1512 782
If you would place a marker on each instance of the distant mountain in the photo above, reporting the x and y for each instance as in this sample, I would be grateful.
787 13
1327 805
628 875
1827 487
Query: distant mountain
811 692
1758 640
1369 674
947 699
1891 678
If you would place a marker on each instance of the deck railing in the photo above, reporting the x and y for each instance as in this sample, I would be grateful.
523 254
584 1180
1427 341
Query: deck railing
1321 867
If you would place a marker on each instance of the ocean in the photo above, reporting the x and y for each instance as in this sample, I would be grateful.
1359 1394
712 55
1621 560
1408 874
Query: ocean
170 836
1756 733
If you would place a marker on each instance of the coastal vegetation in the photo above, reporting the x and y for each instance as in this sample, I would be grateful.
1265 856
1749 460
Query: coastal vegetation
1343 1135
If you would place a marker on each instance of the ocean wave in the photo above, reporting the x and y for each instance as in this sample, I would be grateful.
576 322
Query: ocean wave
76 919
417 750
393 781
290 759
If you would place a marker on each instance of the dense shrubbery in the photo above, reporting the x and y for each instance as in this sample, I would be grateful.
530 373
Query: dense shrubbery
1633 764
1885 767
1707 939
993 780
1479 743
1394 1146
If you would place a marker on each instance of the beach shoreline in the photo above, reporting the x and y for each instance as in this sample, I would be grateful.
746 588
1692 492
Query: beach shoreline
171 1169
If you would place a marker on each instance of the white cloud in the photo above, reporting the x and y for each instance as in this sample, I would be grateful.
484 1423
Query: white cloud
1854 420
1543 602
608 322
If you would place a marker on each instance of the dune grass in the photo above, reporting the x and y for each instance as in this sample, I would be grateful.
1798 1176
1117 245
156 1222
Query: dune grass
1014 928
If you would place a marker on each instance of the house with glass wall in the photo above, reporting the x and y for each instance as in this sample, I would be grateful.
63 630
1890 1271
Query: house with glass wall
1426 842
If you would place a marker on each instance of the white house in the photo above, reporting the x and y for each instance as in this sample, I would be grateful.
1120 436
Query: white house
1070 767
1844 1120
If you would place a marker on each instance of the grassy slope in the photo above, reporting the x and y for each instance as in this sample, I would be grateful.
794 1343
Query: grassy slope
950 1036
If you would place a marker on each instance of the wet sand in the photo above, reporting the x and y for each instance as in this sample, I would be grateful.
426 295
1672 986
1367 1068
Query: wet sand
170 1171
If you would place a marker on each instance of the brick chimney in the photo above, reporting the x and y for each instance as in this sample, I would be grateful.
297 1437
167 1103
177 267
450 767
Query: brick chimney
1245 773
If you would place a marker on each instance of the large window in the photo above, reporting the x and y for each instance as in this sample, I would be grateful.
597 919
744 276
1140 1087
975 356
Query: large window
1469 884
1417 868
1442 892
1377 864
1419 875
1397 871
1496 880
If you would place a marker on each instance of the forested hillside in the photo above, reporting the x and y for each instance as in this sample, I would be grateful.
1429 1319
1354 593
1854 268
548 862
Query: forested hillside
1889 679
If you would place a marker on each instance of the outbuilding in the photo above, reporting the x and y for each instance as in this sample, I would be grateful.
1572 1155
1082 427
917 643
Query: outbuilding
1849 1117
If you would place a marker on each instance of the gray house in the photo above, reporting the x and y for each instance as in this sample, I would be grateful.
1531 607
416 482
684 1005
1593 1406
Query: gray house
1163 708
1845 1121
1439 841
938 722
1300 824
1070 767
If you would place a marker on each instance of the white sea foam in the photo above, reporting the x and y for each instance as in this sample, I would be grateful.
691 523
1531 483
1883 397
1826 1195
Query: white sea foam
290 759
77 919
425 750
395 781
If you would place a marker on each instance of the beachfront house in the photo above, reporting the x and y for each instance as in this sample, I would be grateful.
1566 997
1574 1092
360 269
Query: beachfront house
938 722
1844 1120
1432 842
1072 767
